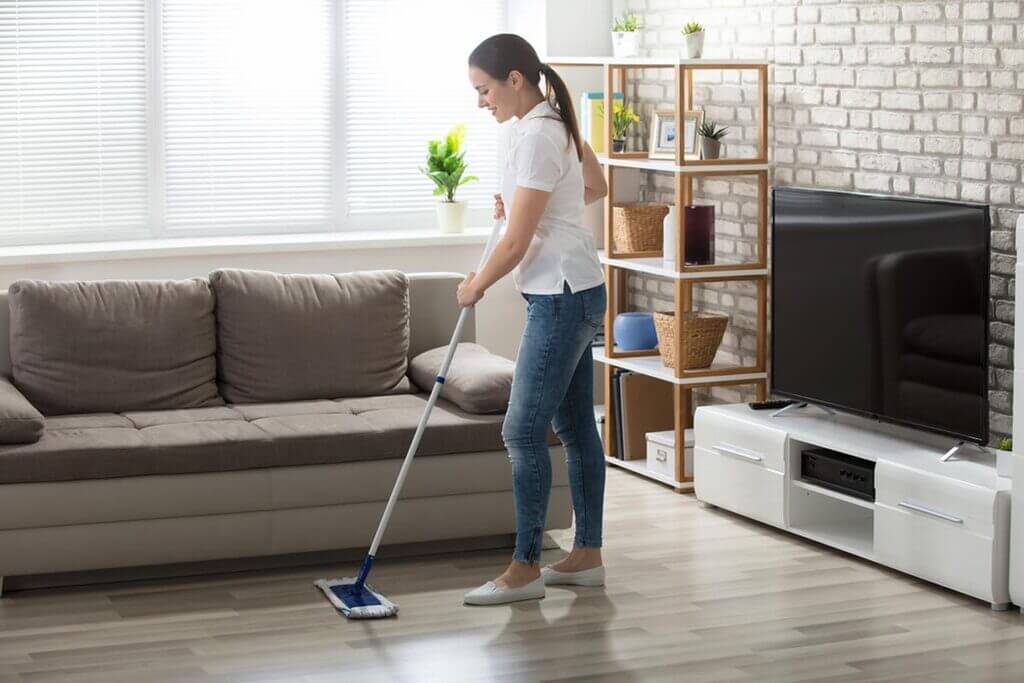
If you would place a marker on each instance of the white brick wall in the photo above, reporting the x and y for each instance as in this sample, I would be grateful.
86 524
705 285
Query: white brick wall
922 98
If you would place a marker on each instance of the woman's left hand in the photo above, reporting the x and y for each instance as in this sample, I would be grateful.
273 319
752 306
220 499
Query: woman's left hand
468 293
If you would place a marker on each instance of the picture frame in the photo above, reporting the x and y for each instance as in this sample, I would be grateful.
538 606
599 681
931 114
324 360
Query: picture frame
663 123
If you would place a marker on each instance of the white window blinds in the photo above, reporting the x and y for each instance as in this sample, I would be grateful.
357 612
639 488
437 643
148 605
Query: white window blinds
246 104
73 155
405 82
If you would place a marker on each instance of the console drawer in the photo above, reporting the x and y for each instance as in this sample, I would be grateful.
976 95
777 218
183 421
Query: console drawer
946 501
942 552
743 486
715 431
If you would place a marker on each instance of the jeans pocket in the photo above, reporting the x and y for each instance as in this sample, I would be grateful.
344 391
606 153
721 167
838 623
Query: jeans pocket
594 305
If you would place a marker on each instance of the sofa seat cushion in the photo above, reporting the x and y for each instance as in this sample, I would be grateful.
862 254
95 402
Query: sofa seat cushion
239 437
114 345
301 337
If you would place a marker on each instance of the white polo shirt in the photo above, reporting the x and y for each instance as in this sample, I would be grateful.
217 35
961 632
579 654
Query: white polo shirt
542 156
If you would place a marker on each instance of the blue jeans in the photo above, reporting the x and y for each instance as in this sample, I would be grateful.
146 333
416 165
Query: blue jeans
553 385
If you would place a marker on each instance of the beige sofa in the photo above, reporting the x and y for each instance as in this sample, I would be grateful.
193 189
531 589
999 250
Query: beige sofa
250 479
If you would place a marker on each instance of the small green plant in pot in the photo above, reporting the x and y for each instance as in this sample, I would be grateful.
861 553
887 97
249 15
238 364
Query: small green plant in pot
622 118
446 167
693 40
626 36
711 139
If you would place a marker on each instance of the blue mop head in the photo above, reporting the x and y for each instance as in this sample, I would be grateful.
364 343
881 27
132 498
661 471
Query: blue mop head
356 600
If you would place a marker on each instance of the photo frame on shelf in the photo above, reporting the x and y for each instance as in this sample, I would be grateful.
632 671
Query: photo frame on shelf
663 133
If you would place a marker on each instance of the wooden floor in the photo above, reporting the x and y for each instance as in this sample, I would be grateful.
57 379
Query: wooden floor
692 594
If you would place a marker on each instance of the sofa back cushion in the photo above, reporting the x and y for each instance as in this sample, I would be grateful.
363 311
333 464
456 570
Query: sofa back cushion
114 345
296 337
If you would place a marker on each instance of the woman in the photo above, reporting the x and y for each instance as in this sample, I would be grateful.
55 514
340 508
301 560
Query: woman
549 176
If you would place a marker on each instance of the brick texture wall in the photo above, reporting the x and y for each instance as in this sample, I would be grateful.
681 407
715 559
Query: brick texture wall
921 99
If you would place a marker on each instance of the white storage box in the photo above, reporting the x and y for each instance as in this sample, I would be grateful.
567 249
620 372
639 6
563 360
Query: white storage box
661 454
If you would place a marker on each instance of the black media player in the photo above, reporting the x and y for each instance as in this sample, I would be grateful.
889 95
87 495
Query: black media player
838 472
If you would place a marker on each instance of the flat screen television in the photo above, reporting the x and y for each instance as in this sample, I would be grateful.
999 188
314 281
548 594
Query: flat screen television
880 307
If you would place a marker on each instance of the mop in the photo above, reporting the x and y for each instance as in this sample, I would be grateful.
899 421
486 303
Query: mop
353 597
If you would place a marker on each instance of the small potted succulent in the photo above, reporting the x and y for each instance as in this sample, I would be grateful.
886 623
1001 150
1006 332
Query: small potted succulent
711 139
693 39
626 36
446 168
622 118
1004 457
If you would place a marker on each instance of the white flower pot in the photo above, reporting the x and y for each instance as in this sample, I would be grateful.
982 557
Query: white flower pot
451 216
625 44
694 44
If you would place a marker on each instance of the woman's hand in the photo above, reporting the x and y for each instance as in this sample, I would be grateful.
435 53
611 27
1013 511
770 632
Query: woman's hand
499 207
468 294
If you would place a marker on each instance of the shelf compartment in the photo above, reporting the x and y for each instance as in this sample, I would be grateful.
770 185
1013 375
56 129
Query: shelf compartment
652 366
832 518
640 467
657 265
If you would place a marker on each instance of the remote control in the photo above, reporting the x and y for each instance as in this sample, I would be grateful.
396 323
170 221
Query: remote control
772 404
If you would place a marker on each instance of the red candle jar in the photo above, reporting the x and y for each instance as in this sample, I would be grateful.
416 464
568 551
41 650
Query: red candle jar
699 227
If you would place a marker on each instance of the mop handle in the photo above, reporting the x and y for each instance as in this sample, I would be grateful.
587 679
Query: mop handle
438 382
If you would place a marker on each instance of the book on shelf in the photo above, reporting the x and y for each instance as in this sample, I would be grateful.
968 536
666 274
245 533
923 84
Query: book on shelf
592 117
646 406
616 414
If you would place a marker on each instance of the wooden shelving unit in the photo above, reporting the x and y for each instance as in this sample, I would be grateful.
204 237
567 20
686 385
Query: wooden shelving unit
684 168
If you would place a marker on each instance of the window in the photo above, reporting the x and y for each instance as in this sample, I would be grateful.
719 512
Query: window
398 99
127 119
73 155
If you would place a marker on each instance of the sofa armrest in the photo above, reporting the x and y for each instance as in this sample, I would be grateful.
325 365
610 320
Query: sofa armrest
20 422
478 381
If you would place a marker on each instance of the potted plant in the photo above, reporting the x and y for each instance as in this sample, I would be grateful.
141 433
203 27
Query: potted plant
622 118
693 38
446 168
711 139
626 36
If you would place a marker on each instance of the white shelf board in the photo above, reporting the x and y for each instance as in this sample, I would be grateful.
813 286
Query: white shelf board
669 166
640 467
652 61
652 366
821 490
662 268
855 536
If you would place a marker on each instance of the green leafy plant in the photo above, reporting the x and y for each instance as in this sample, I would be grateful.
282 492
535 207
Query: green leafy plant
622 118
627 23
445 163
692 27
1006 444
709 129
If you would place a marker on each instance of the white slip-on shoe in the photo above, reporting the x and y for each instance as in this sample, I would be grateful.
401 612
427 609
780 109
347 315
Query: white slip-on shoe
492 594
587 577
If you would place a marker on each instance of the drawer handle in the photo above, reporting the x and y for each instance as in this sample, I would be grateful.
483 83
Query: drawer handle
728 449
927 511
662 456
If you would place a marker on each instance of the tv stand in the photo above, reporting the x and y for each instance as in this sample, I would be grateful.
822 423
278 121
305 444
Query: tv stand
956 449
945 522
797 406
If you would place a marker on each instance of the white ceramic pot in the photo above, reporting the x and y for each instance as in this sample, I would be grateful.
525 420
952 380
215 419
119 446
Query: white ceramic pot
625 44
694 44
451 216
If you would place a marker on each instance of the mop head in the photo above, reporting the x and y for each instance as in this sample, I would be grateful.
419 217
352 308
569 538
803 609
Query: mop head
356 601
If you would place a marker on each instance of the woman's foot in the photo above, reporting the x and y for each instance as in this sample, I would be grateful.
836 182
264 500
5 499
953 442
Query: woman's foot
520 581
582 567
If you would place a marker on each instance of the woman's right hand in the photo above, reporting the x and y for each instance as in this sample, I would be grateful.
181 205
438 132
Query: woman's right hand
499 207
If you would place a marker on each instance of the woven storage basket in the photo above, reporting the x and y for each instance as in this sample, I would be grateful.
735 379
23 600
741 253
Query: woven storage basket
702 334
636 226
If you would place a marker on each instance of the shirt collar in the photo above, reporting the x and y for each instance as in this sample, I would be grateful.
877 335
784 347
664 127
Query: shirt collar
542 108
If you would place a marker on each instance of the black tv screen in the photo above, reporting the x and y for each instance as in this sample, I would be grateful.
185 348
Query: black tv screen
880 307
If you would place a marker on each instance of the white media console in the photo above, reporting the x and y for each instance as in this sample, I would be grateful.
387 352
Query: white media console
945 522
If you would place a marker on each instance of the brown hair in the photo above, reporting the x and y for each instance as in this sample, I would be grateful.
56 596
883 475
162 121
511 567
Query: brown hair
504 53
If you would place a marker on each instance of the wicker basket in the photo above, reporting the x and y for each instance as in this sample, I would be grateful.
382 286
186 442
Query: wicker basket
636 226
702 334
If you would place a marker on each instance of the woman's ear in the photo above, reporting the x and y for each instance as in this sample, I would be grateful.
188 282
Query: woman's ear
516 80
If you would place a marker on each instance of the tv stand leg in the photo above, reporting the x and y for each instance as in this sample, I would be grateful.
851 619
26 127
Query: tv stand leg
1000 606
706 506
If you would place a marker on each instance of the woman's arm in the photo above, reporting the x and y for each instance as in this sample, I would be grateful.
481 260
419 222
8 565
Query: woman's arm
527 207
594 185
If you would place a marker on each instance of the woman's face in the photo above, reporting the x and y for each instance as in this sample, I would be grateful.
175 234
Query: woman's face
499 97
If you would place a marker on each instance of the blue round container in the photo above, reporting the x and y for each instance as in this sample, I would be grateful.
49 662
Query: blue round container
635 331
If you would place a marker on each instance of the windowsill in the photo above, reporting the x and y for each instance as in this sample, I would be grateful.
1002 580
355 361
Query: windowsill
247 244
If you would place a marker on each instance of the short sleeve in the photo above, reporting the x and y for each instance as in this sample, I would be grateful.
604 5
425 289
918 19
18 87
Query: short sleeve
537 163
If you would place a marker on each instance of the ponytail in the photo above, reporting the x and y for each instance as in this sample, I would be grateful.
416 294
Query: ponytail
564 105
